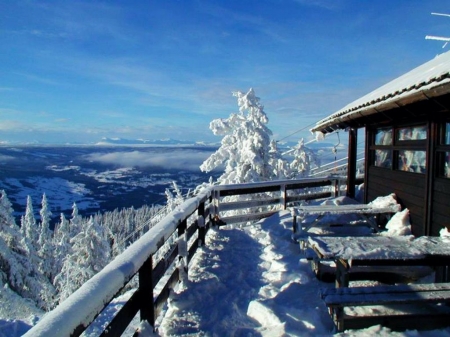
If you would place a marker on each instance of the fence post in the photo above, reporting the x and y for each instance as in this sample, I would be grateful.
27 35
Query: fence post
201 224
182 249
284 196
146 305
336 187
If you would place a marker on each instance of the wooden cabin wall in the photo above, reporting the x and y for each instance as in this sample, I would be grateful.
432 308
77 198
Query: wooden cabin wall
408 187
440 211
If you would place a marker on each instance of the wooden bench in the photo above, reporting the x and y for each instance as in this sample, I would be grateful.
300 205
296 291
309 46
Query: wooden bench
319 211
419 306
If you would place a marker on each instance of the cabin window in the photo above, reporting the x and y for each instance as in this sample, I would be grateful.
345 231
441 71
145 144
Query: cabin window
383 158
383 137
412 133
444 152
446 164
412 161
401 148
447 134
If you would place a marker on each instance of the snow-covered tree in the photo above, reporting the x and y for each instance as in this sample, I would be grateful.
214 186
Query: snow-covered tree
75 221
173 200
6 210
90 253
61 242
45 242
28 226
245 147
303 161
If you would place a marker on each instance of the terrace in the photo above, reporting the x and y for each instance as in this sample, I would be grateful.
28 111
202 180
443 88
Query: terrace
207 269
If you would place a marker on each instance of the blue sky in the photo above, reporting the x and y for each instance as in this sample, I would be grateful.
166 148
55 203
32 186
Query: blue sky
77 71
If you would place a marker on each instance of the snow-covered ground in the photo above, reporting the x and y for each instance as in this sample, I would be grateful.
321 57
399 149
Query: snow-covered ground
253 281
249 281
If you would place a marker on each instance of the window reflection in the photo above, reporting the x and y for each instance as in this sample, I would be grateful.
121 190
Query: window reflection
447 165
412 133
383 137
412 161
383 158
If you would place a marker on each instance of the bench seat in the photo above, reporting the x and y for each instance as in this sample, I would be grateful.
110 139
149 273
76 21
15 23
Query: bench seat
419 306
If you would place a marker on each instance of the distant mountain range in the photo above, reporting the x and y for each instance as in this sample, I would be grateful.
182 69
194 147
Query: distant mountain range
168 142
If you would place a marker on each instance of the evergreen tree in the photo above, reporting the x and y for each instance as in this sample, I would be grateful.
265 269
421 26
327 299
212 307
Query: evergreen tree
245 146
303 160
6 210
28 225
61 242
90 253
75 221
45 242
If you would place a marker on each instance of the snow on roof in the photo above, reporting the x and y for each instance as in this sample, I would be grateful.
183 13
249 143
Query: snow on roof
428 76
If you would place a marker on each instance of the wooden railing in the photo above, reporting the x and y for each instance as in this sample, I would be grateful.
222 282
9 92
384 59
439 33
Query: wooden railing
160 258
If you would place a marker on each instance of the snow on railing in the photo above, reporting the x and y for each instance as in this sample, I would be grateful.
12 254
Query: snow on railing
79 310
74 314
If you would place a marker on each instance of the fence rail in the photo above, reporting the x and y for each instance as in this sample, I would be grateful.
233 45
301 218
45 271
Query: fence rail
160 258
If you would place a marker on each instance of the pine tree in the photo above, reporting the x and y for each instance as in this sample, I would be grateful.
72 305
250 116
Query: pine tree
45 242
6 210
245 146
303 160
90 253
75 221
61 242
28 226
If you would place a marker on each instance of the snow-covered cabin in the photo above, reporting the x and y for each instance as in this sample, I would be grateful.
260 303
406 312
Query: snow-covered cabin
407 130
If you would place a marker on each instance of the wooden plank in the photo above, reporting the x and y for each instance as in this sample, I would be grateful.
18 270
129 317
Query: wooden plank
123 317
246 217
401 288
161 299
226 206
428 321
162 266
383 298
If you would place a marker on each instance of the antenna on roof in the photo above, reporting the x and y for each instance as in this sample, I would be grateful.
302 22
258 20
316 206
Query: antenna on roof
439 38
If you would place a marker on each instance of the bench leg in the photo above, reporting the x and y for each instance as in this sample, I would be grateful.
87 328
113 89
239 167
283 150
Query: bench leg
342 277
338 318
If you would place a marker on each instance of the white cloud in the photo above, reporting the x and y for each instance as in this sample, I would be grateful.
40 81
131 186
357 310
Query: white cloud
172 159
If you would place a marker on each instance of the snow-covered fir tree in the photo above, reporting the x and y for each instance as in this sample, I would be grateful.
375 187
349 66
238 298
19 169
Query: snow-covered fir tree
245 146
75 221
61 243
90 253
29 227
6 210
45 242
304 160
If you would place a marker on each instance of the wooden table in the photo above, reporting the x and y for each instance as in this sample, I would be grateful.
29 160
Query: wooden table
319 211
379 250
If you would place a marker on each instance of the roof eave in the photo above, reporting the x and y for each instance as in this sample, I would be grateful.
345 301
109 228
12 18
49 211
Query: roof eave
351 117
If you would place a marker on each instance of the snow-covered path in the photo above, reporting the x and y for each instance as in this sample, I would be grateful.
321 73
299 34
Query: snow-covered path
249 282
253 282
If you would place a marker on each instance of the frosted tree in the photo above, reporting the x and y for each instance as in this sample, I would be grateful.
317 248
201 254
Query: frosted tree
281 169
173 200
61 242
6 210
28 227
45 242
75 221
245 145
304 159
90 253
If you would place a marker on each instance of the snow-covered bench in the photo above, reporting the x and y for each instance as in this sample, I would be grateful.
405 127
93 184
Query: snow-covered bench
366 210
399 307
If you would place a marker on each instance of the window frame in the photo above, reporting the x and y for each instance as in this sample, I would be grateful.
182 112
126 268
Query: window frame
397 146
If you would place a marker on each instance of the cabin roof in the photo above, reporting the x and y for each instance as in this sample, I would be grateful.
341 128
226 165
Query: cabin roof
430 79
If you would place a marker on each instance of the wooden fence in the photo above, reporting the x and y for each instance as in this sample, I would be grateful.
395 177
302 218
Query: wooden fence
161 256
